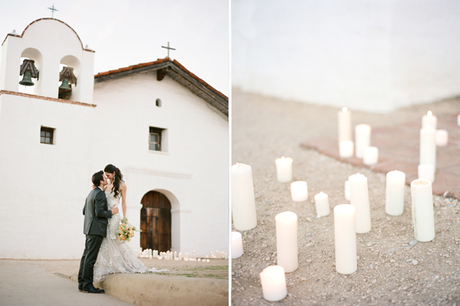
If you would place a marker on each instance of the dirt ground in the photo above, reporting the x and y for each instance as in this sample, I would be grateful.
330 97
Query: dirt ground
393 268
215 269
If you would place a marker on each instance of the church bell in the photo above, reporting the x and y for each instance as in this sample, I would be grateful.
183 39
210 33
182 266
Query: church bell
28 71
65 85
27 79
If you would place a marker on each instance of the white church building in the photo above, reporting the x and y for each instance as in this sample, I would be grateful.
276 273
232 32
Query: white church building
161 125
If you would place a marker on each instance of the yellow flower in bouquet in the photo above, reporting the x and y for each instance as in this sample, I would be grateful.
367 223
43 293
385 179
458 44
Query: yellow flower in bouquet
126 231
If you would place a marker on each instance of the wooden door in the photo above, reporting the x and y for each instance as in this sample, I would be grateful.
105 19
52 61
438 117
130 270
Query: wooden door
156 222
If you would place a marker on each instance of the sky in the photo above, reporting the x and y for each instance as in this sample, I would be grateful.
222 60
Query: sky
128 32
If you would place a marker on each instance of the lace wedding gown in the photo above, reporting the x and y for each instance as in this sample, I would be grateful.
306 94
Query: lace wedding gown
114 255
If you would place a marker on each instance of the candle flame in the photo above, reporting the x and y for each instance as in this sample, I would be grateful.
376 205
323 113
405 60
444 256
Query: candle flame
429 113
344 109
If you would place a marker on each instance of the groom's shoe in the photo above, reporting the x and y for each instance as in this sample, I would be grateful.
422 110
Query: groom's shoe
93 290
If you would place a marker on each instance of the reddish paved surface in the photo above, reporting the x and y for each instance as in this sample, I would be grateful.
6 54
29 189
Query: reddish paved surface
399 150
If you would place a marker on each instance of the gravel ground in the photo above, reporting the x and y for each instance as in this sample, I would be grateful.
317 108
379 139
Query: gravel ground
393 269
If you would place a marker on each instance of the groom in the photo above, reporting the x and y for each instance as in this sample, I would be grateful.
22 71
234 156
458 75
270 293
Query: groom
95 229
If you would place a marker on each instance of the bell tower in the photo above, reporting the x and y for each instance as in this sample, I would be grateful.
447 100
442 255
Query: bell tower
50 58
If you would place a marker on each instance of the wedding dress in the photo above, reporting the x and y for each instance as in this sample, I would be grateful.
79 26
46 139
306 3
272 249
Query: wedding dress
114 255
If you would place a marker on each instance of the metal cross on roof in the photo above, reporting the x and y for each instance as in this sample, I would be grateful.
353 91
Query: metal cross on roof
169 48
52 10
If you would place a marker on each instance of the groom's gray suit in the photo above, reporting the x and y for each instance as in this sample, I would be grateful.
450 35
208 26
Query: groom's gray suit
95 228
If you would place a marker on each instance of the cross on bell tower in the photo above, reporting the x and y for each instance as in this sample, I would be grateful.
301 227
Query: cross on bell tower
168 47
52 10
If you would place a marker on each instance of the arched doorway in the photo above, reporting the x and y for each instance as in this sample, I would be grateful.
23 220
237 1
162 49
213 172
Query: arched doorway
155 222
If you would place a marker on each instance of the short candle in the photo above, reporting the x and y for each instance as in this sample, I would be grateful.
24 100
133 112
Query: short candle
243 201
362 139
346 148
345 239
286 240
322 204
422 210
273 281
284 169
299 191
441 138
394 198
237 245
371 156
359 198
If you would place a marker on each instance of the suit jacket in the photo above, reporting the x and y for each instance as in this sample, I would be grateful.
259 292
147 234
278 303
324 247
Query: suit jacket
96 213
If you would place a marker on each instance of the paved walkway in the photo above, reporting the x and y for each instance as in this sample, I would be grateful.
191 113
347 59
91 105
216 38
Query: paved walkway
399 150
25 283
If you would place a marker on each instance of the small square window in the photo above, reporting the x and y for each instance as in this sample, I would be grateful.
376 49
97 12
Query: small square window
46 135
155 139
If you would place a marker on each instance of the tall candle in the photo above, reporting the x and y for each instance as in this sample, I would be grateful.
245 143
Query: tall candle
299 191
243 202
422 209
286 240
284 169
458 120
427 146
394 199
237 245
344 117
371 156
429 119
345 239
426 171
273 282
346 148
322 204
362 139
441 138
347 190
359 198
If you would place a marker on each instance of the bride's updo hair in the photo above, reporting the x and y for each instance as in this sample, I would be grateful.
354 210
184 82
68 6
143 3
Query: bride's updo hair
118 178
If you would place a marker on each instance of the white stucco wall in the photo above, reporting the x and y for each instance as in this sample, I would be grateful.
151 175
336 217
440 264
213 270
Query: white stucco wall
195 167
368 55
44 186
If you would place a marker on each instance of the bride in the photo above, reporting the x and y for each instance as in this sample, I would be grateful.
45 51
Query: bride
114 255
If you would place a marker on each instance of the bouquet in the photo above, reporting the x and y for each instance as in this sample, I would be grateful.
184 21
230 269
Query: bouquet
126 230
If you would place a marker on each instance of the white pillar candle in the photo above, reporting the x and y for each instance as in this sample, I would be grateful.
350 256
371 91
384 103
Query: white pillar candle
426 171
458 120
237 245
286 240
362 139
346 148
347 190
427 146
344 117
180 256
273 283
371 156
422 209
299 191
284 169
322 204
441 138
243 201
429 119
345 239
359 198
394 198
